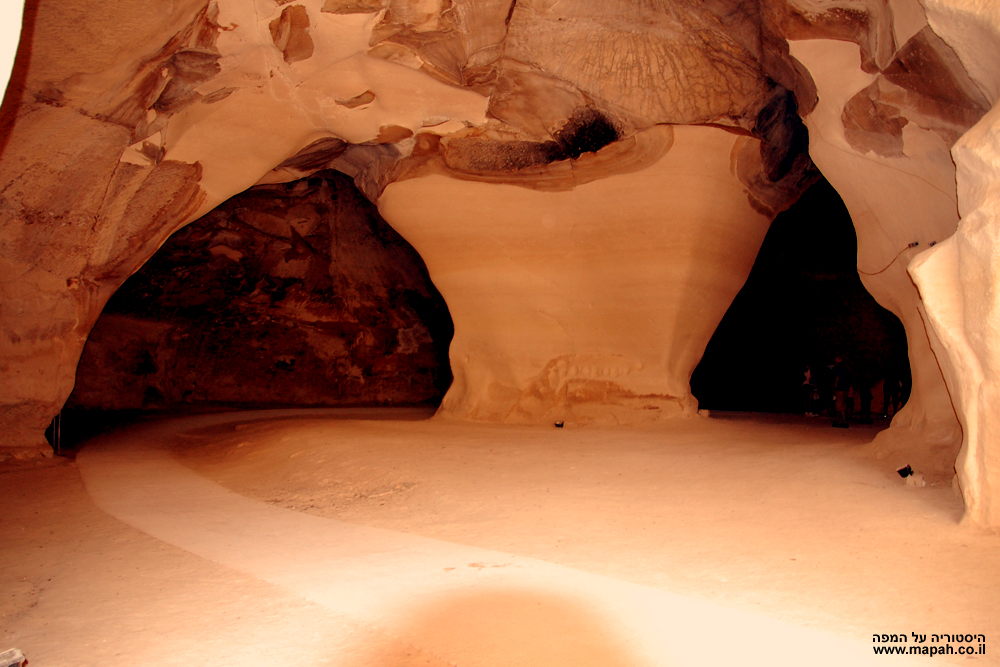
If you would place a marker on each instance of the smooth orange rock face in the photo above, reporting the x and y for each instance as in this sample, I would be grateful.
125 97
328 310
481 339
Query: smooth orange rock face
591 304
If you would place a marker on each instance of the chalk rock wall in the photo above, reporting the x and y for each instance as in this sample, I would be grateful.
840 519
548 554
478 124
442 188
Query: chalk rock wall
893 99
123 124
591 303
959 279
294 294
592 239
75 220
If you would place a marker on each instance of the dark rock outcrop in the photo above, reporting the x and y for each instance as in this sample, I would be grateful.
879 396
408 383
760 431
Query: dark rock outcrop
290 294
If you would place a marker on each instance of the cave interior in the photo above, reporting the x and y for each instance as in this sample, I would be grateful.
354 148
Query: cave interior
215 319
476 332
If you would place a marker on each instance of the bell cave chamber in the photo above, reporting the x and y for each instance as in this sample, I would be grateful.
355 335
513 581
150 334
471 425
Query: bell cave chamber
243 309
500 331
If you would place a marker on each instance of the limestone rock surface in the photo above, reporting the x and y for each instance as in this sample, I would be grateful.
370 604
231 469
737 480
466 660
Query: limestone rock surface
958 282
959 279
125 123
591 303
899 129
897 181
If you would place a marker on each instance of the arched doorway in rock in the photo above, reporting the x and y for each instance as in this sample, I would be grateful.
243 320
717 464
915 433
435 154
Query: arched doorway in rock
293 294
802 306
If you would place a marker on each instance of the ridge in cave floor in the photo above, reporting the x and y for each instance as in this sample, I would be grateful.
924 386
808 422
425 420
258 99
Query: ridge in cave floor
367 537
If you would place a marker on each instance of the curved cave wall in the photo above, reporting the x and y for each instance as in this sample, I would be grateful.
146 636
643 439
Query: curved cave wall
125 123
802 306
287 294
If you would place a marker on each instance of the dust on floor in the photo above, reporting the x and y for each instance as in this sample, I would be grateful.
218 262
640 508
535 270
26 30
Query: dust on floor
791 520
784 517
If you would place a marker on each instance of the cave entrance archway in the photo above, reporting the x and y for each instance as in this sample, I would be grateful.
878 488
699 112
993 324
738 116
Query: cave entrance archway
293 294
802 306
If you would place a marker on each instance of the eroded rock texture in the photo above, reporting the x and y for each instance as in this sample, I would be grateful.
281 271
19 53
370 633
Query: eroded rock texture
285 295
124 124
958 283
959 279
128 120
601 297
925 84
892 100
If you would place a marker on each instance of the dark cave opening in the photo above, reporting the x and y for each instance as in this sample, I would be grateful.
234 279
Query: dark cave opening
300 295
286 295
802 306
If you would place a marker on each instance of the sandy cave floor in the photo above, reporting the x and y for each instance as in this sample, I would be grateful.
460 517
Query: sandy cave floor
780 520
